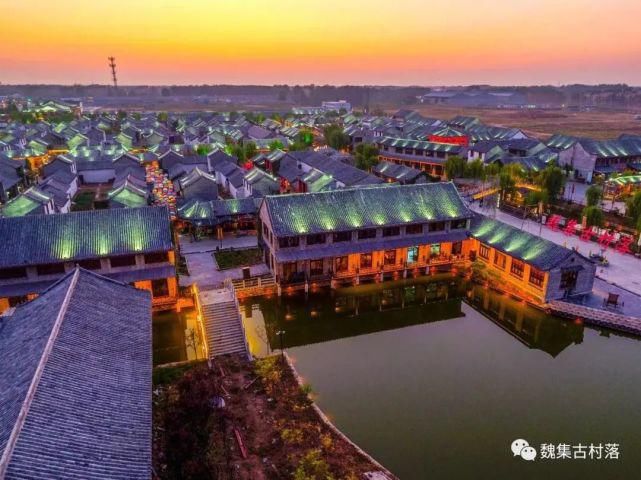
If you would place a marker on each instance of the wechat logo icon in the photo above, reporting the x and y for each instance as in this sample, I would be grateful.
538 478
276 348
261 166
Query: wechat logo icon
521 448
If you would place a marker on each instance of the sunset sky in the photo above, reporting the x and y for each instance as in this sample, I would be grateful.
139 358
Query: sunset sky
401 42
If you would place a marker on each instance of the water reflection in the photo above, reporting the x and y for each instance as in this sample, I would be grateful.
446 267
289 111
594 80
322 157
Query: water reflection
334 314
530 326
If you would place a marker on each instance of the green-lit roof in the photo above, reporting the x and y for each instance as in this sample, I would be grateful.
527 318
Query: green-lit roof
420 144
533 250
129 196
42 239
364 207
20 206
628 179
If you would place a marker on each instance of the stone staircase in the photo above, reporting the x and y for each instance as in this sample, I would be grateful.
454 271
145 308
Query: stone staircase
223 324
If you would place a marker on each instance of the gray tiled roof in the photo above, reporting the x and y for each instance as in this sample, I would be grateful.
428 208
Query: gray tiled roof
536 251
89 360
42 239
364 207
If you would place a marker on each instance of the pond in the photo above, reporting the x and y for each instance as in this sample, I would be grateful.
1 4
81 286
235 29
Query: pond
436 379
174 336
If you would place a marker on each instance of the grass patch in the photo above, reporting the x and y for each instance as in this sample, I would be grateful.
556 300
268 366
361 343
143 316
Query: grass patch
167 375
238 258
83 201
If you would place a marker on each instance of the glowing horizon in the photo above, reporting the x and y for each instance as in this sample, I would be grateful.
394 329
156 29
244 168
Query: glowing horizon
374 42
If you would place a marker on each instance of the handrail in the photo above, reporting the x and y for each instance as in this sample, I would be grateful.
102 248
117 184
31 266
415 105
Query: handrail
230 286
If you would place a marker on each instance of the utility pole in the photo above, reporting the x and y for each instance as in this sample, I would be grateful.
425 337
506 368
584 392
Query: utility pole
112 65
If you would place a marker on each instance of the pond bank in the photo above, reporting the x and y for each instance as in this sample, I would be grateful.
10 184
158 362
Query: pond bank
268 427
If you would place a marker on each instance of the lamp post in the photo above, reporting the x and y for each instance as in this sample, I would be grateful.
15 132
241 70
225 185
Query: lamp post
281 334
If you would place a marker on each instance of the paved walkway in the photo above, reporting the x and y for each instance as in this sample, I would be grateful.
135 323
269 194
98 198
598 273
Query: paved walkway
624 269
187 245
579 197
204 272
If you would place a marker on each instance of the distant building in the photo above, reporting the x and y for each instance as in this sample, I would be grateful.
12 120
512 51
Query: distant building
75 382
391 172
337 106
587 157
429 157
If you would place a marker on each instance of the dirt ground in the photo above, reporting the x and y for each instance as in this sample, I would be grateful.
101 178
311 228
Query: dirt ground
265 411
542 123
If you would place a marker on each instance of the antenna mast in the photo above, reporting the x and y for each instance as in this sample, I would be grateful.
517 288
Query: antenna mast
112 65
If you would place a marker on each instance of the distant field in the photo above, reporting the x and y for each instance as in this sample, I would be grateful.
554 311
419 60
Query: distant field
543 123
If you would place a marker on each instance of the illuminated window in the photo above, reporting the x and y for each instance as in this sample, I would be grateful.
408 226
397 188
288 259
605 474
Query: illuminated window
536 277
412 255
517 268
342 264
435 249
500 260
316 267
484 252
389 257
457 248
366 260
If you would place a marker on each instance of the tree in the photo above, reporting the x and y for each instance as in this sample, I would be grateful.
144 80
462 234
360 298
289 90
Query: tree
594 216
552 180
162 117
475 170
454 167
593 195
275 145
507 184
335 137
203 149
239 152
250 150
534 197
634 207
366 156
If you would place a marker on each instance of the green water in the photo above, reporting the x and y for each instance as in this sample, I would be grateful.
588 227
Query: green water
438 388
169 336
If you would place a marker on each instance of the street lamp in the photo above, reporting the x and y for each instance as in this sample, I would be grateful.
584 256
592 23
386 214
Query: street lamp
281 334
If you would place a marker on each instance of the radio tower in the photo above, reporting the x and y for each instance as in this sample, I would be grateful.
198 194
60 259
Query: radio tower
112 65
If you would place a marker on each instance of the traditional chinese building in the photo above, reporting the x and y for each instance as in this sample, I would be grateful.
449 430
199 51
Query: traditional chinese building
75 382
429 157
364 234
132 245
538 269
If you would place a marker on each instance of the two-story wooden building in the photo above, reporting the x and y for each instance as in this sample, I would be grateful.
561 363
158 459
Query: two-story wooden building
132 245
361 234
537 268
